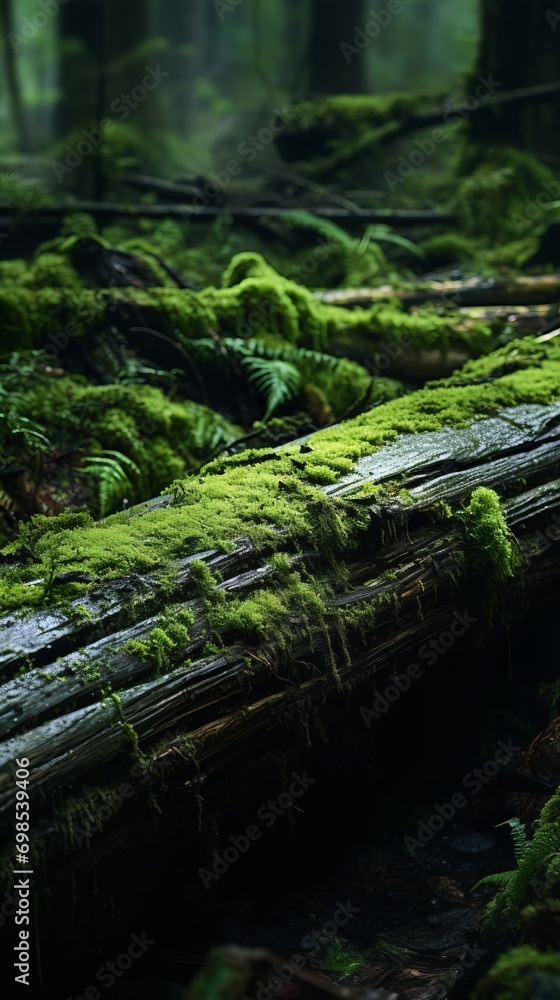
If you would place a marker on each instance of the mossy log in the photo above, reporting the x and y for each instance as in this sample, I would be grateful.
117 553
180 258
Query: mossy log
254 301
244 611
333 130
539 290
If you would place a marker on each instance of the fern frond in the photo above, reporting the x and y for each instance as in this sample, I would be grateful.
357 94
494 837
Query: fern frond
381 233
500 878
519 836
537 867
322 227
113 481
277 381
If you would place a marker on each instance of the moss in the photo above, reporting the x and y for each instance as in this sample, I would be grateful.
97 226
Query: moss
270 614
165 640
342 958
82 613
349 114
139 439
521 974
499 183
261 305
334 130
273 497
488 548
449 248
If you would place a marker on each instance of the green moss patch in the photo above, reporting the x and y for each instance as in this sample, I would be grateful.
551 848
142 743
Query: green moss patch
523 973
255 301
274 498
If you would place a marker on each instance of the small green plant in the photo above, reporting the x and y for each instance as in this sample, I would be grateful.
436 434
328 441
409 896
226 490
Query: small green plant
342 959
537 871
22 193
275 372
112 469
488 548
386 951
363 259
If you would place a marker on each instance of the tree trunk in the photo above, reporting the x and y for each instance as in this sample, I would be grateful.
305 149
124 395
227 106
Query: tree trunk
332 24
184 27
103 55
519 48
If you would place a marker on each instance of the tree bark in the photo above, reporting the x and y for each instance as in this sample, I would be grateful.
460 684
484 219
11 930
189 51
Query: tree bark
473 292
519 47
230 704
332 24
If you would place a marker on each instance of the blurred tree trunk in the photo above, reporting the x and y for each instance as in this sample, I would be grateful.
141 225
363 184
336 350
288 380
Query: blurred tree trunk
81 49
184 26
519 47
12 80
103 54
333 24
128 49
423 21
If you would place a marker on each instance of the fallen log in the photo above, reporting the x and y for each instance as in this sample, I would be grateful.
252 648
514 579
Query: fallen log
10 217
123 651
540 290
168 324
331 131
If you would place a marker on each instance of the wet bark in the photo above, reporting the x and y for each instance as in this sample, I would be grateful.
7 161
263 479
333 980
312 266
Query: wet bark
249 698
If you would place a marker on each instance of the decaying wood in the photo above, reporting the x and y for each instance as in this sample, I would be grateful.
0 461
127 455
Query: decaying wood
524 319
233 705
540 290
193 212
318 140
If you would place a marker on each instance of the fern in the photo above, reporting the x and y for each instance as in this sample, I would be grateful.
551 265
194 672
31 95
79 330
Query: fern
322 227
258 348
13 374
363 259
272 370
277 381
380 233
112 469
519 836
537 869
